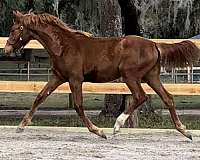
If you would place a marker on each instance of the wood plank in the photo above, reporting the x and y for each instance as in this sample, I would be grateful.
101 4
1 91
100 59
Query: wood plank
33 44
97 88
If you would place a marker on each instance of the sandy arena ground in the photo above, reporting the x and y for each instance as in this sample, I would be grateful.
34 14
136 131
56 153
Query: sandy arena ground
52 143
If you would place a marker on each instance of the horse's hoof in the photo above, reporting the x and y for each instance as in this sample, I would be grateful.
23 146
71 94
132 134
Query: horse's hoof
116 130
188 135
102 134
19 130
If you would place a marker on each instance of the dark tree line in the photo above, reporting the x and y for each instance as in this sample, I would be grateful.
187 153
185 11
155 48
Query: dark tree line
149 18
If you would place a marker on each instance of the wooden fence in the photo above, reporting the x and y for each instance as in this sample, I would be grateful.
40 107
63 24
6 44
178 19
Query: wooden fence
96 88
36 45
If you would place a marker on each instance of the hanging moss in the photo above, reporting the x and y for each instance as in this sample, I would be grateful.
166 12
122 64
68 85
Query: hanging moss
169 19
82 15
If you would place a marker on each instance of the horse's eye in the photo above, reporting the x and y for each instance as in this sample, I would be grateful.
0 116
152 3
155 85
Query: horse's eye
21 28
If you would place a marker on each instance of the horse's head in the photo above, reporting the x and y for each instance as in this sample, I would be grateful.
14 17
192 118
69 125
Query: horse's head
19 34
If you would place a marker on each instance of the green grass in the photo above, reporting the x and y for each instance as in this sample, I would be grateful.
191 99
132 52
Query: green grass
154 121
91 101
181 102
54 101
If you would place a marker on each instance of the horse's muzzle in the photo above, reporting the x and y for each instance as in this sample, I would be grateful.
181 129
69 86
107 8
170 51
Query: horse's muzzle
8 49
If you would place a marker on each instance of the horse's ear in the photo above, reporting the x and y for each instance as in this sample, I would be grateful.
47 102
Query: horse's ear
17 15
30 11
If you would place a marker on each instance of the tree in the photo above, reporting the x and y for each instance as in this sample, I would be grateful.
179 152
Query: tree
111 26
81 15
110 18
115 104
130 16
2 15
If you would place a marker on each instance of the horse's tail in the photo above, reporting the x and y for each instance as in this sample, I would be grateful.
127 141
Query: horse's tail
181 54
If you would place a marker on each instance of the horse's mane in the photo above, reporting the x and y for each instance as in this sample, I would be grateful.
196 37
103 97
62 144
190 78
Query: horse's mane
39 19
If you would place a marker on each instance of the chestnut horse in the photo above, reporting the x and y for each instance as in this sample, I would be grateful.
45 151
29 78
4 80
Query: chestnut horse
77 57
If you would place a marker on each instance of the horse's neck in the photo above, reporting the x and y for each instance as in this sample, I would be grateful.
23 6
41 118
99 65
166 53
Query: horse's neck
48 38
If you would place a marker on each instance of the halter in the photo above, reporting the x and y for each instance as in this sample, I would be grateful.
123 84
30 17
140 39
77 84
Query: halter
19 39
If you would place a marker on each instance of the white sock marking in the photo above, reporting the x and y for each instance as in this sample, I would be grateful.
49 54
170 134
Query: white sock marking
120 121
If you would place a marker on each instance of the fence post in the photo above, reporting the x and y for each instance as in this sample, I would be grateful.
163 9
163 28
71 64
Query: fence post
71 102
28 70
192 74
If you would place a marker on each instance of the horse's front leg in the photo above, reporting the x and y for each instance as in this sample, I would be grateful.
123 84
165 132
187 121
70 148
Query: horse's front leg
76 89
46 91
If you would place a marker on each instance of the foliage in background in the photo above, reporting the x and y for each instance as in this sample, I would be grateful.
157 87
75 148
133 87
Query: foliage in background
6 7
157 18
169 18
81 15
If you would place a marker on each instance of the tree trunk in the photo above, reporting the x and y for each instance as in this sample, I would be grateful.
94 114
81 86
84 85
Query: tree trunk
2 15
115 104
110 18
130 18
111 26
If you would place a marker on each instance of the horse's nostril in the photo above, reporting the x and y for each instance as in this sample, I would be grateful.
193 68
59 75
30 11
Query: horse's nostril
8 49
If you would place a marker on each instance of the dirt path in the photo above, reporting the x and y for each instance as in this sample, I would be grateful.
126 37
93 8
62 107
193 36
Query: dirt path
51 143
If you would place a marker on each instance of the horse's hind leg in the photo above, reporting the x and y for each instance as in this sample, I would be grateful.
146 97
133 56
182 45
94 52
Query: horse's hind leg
46 91
139 97
153 80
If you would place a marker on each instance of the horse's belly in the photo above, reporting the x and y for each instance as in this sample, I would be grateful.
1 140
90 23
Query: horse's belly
101 76
106 78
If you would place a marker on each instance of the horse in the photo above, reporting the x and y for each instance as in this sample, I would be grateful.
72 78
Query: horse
77 57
